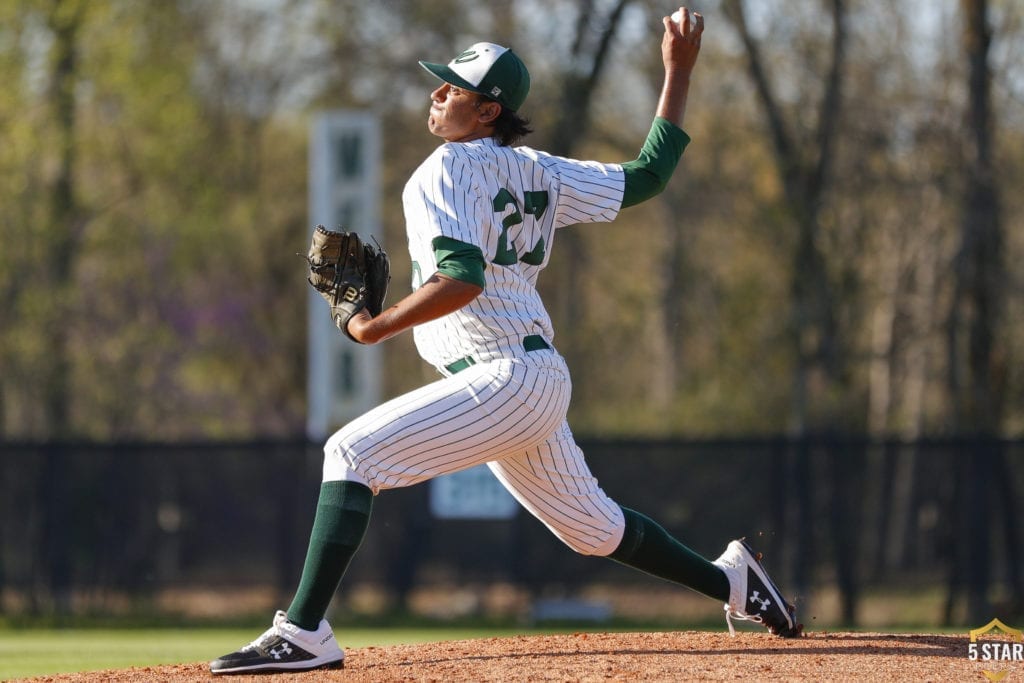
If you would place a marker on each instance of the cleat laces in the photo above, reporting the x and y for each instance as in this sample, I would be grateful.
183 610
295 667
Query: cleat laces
264 639
731 614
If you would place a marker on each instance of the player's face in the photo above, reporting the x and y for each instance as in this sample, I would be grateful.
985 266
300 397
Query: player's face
455 114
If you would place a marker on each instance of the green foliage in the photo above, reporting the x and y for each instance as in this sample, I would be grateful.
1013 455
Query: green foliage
182 312
184 222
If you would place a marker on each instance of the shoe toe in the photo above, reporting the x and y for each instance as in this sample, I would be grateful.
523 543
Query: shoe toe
232 659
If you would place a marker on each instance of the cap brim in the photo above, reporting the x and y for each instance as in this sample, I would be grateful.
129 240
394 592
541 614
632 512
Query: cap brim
448 76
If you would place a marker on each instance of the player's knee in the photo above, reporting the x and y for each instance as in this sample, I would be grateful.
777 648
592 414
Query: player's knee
582 549
586 548
340 462
599 544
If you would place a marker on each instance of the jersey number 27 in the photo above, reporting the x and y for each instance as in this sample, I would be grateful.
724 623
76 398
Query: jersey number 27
534 204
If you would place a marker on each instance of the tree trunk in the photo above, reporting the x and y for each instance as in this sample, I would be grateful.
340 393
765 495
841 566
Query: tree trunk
64 21
805 172
976 364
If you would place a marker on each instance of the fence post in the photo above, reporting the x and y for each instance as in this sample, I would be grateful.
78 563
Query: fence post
56 546
979 544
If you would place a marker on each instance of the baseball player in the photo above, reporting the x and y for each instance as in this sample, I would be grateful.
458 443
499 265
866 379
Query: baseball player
482 216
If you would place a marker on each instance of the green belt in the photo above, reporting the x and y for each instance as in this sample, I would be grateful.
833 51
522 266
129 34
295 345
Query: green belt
534 342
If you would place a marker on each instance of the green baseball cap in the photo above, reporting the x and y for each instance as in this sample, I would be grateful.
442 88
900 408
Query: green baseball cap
488 69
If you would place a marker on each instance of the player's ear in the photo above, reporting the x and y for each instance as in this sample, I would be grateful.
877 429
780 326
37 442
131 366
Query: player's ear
488 110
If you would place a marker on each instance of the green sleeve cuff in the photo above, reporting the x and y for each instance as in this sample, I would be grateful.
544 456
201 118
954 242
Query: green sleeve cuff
648 175
459 260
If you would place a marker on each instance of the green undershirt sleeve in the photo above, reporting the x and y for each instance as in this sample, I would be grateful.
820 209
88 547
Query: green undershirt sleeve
459 260
648 174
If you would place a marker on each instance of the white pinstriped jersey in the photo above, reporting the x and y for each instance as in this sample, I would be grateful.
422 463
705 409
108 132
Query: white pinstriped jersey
508 408
508 202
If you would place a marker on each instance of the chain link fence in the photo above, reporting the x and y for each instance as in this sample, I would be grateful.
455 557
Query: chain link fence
120 523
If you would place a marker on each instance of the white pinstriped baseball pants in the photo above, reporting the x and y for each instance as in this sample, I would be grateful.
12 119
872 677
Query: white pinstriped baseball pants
508 413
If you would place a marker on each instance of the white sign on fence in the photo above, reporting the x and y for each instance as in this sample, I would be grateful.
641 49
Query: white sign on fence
471 494
344 378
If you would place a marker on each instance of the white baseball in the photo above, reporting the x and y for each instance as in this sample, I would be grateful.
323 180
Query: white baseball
677 17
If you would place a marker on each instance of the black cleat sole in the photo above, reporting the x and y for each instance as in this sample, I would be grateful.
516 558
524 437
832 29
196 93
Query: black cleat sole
340 664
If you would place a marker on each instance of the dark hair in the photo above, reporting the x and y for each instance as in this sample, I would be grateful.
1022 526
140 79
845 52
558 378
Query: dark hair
510 128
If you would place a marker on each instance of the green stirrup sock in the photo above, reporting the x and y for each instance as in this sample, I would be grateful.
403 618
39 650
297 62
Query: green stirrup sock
342 515
648 547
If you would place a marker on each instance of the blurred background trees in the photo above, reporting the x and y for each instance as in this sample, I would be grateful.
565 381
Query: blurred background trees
831 254
834 256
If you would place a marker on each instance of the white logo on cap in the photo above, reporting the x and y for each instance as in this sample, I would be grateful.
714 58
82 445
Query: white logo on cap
474 70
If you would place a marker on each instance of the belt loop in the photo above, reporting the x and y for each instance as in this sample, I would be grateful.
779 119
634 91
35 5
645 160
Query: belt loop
460 365
535 342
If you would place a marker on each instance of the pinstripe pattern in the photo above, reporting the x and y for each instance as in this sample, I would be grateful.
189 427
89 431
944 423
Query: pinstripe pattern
508 409
481 414
451 194
553 482
509 413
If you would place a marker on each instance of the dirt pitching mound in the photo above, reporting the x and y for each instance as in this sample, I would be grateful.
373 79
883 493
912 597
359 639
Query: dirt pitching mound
678 656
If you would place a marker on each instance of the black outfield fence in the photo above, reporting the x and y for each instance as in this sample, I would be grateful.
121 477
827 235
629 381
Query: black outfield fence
130 520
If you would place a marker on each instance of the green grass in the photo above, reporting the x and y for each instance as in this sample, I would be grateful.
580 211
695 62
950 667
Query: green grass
33 652
37 652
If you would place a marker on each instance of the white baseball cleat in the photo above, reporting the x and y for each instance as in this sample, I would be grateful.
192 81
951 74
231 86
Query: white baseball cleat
284 647
753 596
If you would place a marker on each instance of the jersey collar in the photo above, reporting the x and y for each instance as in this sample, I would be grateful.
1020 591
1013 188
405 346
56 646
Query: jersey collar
486 142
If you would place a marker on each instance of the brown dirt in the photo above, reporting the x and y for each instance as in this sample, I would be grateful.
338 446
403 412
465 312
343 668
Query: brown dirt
679 656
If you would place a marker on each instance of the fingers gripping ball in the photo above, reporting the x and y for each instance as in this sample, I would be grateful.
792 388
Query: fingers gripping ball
677 17
349 274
